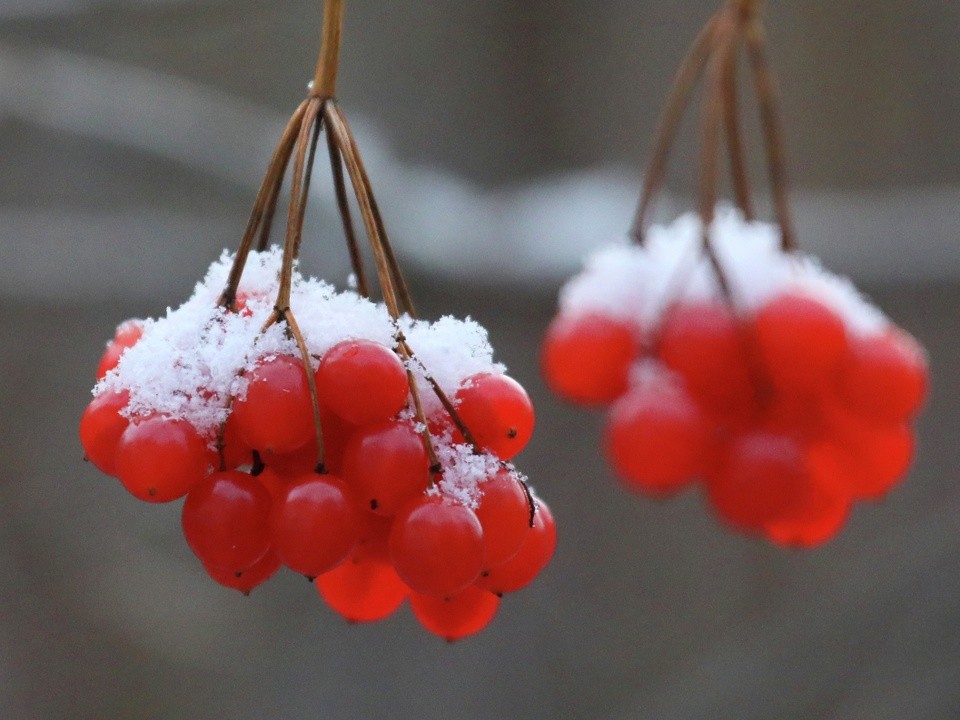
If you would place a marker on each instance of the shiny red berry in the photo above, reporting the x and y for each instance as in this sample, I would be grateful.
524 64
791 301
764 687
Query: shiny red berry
101 427
363 590
456 617
498 412
276 414
586 359
159 459
886 377
362 381
533 556
386 465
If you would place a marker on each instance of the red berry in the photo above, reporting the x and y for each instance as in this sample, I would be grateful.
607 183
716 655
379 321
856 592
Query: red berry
498 412
533 556
236 452
386 465
126 336
586 359
504 515
885 377
159 459
373 542
456 617
225 520
656 438
437 546
276 415
249 578
706 345
101 427
801 342
363 591
763 479
827 508
313 525
362 381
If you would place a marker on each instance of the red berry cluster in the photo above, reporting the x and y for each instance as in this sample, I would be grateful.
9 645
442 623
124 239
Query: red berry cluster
787 414
379 521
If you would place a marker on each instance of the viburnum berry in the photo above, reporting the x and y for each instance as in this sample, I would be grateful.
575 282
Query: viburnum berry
225 520
763 479
706 345
586 359
458 616
276 414
826 508
504 514
160 459
362 381
363 590
437 546
533 556
386 465
249 578
656 437
101 427
126 336
213 402
801 342
885 377
498 412
313 525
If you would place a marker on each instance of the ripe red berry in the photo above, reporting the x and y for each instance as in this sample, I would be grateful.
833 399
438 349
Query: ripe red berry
386 465
249 578
801 342
363 590
276 415
127 335
586 359
373 541
763 479
456 617
101 427
437 546
225 520
827 507
313 525
362 381
885 377
498 412
504 515
159 459
656 438
533 556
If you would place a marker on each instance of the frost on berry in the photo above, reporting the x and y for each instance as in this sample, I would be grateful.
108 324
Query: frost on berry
785 393
216 404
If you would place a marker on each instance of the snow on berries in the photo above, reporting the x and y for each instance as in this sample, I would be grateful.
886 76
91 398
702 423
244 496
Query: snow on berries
213 404
787 395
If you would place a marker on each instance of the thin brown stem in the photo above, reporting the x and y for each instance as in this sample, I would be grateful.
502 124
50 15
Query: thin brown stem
294 329
772 131
298 197
444 400
307 176
268 188
735 149
685 80
325 77
346 144
343 204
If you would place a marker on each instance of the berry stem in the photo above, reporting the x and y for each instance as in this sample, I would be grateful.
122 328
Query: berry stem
266 198
731 117
324 84
772 128
677 101
311 385
343 205
385 261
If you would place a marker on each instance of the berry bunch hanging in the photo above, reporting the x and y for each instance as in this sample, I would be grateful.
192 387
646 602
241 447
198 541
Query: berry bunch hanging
724 354
304 440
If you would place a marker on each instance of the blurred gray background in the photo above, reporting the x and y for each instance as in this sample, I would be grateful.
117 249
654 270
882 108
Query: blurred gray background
505 140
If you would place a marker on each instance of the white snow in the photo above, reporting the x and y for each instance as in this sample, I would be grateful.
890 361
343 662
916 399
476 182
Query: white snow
637 283
191 362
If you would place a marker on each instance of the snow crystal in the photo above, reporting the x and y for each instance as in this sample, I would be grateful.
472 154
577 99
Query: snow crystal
192 362
637 283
